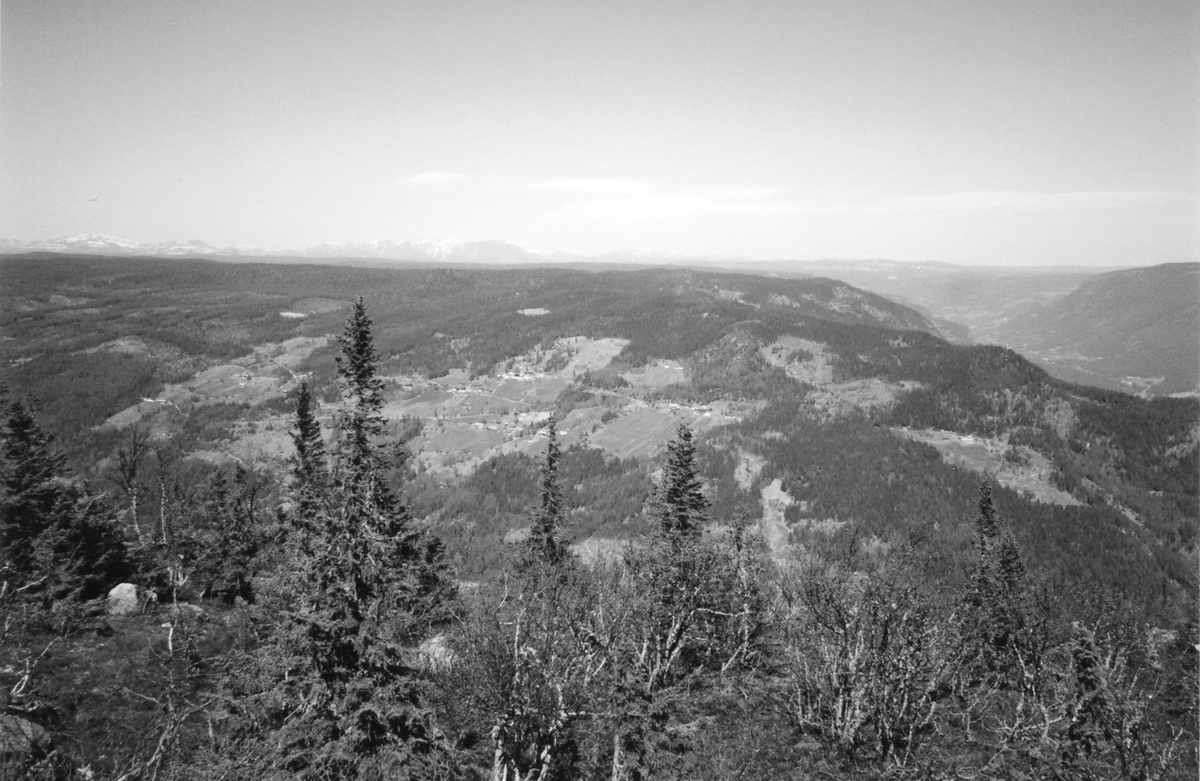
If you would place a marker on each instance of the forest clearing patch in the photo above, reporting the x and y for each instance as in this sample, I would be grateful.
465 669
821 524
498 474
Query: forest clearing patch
135 345
529 390
568 357
287 354
463 439
657 375
641 431
317 306
842 398
589 354
263 375
748 468
1025 470
802 359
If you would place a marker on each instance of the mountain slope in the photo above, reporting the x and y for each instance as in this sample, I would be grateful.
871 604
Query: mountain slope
1141 325
1136 330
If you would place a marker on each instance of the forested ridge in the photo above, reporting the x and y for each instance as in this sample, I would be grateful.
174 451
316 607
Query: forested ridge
362 605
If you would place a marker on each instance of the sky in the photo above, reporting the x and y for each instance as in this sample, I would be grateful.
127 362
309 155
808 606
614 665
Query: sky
998 132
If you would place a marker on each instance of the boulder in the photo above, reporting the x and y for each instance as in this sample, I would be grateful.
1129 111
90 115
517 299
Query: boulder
435 654
125 599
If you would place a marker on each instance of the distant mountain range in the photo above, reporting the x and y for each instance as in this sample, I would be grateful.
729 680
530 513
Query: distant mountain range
446 251
1136 330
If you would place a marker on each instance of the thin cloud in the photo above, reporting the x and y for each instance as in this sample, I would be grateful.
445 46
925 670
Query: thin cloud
645 201
673 202
432 179
612 187
595 188
1012 200
778 201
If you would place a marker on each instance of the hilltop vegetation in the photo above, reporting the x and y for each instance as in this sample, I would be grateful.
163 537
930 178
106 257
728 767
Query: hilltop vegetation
830 458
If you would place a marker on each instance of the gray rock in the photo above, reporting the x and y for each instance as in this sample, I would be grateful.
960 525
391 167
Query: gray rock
435 654
125 599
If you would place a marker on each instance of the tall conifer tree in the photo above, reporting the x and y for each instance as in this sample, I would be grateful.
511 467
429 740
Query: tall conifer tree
545 546
310 472
57 539
367 582
996 636
680 506
360 459
987 527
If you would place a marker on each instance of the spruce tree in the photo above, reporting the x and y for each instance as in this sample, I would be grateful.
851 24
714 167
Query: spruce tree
544 546
997 641
310 475
343 700
58 540
984 580
409 559
31 491
1010 568
987 526
680 507
360 460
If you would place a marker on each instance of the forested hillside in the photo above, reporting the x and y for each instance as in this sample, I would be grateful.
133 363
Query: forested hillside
553 524
1137 324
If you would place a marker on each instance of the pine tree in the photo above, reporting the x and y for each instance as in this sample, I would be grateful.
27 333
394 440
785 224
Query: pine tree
680 507
544 546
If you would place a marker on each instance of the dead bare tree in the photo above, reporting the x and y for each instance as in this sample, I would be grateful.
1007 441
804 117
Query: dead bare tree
131 451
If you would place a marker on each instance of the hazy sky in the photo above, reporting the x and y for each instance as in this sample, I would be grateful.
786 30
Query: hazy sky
970 132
